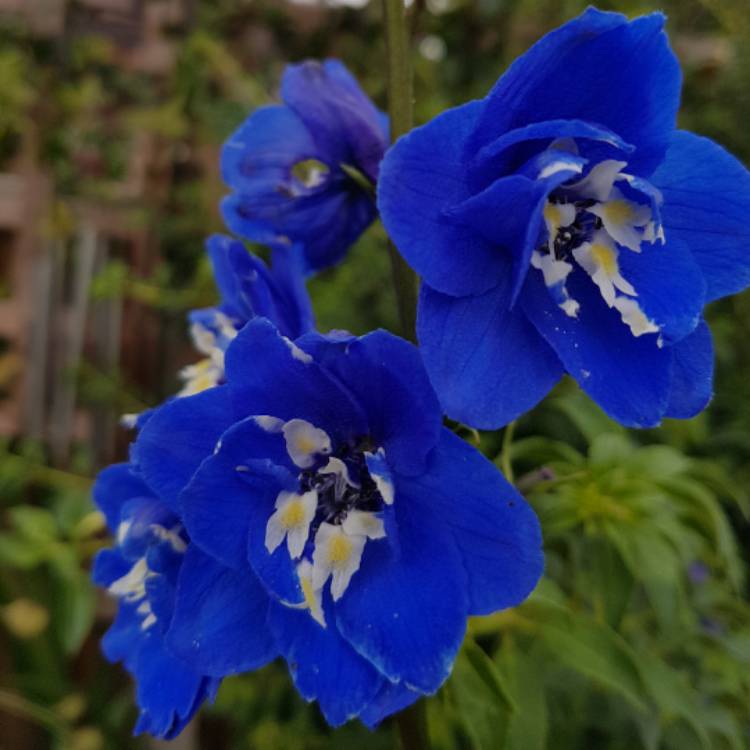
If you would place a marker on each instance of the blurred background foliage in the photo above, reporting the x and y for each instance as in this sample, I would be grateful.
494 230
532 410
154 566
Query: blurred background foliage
639 634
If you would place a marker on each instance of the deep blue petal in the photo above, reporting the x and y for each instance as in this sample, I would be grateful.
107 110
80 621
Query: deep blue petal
628 376
248 288
177 437
258 157
422 175
514 148
122 640
344 122
114 486
488 363
599 68
692 374
166 689
294 312
109 565
267 374
391 699
671 288
406 613
706 205
227 505
219 624
323 665
387 377
325 220
520 200
494 528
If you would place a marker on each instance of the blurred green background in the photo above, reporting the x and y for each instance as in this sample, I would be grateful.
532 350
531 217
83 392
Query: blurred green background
111 116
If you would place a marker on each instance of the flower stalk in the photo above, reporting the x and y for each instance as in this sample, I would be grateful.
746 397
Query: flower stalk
400 100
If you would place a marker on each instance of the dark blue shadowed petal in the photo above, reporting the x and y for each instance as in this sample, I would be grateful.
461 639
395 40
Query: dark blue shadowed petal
121 641
599 68
168 691
109 565
387 377
514 148
628 376
344 122
233 494
268 374
219 624
114 487
177 437
325 220
488 363
494 528
671 288
391 699
706 205
422 175
323 665
519 200
692 374
407 613
294 312
248 288
258 157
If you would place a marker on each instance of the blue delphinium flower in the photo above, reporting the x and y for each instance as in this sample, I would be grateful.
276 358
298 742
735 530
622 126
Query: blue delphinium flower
563 224
248 288
362 532
141 571
304 171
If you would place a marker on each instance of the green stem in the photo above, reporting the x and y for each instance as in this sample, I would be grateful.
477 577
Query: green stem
506 463
400 99
412 727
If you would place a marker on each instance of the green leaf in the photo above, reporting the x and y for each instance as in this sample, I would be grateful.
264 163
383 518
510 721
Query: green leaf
36 524
75 611
483 702
672 694
19 552
590 648
523 674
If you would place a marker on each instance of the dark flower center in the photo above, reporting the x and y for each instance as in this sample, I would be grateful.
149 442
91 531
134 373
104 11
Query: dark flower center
339 494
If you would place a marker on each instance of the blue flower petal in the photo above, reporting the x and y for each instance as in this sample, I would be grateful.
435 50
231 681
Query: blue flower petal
227 505
109 565
600 68
520 200
406 613
344 122
219 623
167 689
706 205
323 665
386 376
115 486
671 288
120 642
391 699
325 220
513 149
628 376
494 528
422 175
692 374
294 312
177 437
268 374
488 363
258 157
